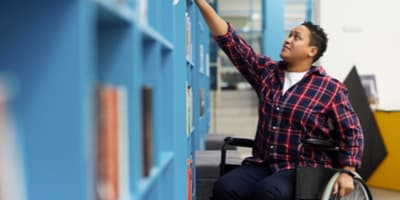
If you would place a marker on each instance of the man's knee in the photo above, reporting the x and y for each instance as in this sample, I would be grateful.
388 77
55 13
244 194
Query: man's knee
222 189
266 191
238 184
272 192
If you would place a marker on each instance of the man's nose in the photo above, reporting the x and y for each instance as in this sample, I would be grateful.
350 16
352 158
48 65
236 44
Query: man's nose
288 40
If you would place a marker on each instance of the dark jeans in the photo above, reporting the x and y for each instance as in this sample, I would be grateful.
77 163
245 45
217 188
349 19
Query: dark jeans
251 182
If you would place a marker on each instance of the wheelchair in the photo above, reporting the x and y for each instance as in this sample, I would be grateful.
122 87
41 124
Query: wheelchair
311 183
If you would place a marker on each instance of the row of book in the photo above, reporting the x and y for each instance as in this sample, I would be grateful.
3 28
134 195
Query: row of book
112 142
204 57
112 171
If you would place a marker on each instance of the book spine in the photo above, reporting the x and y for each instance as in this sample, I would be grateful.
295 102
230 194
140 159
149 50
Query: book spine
147 130
108 165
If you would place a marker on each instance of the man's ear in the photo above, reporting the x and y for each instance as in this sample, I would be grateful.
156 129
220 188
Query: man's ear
313 51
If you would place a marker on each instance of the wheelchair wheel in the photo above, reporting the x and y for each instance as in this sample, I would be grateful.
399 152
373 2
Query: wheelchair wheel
361 191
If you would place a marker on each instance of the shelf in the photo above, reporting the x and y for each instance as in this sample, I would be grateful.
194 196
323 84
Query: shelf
192 130
201 27
109 11
189 63
152 34
146 183
189 2
124 47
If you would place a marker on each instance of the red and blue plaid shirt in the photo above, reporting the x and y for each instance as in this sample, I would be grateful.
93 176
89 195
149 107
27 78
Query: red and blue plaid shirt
302 112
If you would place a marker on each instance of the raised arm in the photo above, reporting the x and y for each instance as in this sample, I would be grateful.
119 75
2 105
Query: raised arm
252 66
216 24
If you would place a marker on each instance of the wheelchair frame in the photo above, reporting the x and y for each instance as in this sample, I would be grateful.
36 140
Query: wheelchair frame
324 145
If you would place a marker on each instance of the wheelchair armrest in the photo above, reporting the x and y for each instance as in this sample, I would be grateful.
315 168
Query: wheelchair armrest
230 141
328 145
241 142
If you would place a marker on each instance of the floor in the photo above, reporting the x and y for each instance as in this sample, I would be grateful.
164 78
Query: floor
382 194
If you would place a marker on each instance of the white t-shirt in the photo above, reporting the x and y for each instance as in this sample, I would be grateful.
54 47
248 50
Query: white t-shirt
291 78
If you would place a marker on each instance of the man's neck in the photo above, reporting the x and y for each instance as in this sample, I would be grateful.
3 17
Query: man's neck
298 66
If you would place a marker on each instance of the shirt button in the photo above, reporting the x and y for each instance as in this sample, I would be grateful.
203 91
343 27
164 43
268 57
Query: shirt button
274 127
277 108
271 147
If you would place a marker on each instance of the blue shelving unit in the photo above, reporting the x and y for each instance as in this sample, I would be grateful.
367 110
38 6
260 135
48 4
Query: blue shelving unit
197 67
273 27
59 52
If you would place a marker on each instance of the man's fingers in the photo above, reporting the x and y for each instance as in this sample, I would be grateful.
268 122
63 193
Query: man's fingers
335 188
345 191
342 192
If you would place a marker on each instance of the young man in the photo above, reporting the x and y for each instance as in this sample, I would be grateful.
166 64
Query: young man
296 100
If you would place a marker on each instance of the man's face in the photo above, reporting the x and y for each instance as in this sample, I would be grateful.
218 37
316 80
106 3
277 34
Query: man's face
297 45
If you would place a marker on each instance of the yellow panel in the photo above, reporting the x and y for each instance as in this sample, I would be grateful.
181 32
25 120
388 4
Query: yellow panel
387 174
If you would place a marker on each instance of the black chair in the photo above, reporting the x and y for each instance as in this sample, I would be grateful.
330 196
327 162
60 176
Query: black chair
311 183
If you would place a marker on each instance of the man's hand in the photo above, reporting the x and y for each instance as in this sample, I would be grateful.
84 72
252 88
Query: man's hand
344 183
215 23
200 1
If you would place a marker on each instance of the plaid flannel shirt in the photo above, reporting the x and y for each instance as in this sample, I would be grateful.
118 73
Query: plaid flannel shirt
302 112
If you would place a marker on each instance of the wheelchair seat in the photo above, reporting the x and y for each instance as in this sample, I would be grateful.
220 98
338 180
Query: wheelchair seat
323 179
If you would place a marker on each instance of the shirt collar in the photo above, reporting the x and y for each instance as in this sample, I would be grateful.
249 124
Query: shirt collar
317 70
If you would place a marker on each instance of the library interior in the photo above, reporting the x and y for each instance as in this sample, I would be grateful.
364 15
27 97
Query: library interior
144 100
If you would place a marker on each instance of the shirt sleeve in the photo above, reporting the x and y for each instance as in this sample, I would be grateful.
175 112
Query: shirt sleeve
349 128
251 65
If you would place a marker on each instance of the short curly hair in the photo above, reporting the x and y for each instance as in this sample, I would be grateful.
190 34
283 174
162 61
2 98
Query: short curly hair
318 38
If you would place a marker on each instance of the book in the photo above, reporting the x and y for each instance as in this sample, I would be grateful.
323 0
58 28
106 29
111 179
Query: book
202 102
207 64
189 117
142 10
108 182
190 178
201 67
2 143
12 177
123 140
147 128
188 37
